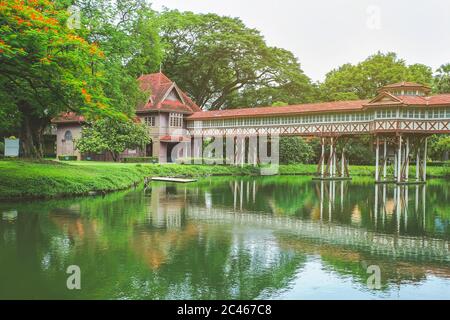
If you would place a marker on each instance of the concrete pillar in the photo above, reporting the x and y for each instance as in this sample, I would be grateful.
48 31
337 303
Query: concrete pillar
343 163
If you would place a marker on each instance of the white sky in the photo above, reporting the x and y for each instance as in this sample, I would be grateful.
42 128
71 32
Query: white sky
325 34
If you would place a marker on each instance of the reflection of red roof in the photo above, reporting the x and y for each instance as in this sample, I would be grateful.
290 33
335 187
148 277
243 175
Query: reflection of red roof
337 106
159 86
68 117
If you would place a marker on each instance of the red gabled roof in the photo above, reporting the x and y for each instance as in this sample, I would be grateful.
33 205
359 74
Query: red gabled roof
159 86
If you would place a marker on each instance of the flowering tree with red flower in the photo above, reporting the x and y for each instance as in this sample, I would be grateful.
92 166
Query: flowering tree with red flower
47 68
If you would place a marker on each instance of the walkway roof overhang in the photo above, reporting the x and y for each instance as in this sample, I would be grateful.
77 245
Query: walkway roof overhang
442 100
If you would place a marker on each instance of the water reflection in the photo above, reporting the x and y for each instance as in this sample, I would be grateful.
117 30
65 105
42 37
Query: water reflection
231 238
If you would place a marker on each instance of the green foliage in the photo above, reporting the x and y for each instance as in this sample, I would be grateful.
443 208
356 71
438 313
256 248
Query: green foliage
240 64
295 150
2 148
127 33
442 79
358 150
438 147
361 81
47 68
140 160
108 135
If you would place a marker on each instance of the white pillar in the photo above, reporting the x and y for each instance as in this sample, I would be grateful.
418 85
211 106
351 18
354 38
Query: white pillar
377 159
331 158
418 165
399 160
343 163
395 165
323 159
425 160
407 159
385 159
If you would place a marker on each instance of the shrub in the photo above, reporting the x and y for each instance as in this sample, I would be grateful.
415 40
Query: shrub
2 148
140 160
295 150
67 158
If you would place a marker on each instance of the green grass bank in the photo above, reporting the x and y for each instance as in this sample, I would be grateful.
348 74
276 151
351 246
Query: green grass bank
46 179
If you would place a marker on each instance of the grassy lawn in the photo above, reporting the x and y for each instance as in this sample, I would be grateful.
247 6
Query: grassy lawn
26 179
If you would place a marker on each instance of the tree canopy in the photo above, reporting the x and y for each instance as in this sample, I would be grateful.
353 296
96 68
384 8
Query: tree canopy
361 81
46 68
222 63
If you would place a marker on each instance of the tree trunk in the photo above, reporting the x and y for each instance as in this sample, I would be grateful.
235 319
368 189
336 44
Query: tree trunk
31 133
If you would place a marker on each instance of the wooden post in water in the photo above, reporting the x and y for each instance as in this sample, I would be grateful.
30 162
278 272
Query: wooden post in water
377 159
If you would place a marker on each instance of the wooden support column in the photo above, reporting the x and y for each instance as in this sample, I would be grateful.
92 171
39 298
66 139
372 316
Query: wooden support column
385 159
377 159
399 160
407 160
418 165
331 157
322 158
395 165
425 160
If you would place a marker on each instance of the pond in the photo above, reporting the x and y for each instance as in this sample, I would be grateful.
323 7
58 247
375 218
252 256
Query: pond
233 238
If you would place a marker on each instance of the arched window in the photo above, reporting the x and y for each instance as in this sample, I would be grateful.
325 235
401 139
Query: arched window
68 135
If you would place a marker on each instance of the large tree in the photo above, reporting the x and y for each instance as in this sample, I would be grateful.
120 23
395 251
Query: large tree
223 63
46 68
361 81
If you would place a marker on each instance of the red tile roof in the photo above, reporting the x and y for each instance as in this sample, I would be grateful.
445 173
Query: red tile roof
357 105
158 85
405 84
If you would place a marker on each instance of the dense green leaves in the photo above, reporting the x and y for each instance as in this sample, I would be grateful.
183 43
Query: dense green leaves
442 79
295 150
361 81
46 68
221 62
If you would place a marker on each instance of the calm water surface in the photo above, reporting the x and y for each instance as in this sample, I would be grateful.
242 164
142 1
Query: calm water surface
232 238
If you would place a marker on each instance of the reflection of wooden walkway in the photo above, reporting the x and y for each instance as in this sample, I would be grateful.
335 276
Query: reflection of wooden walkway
390 245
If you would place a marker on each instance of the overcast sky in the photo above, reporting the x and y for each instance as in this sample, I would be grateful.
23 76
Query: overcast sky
325 34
